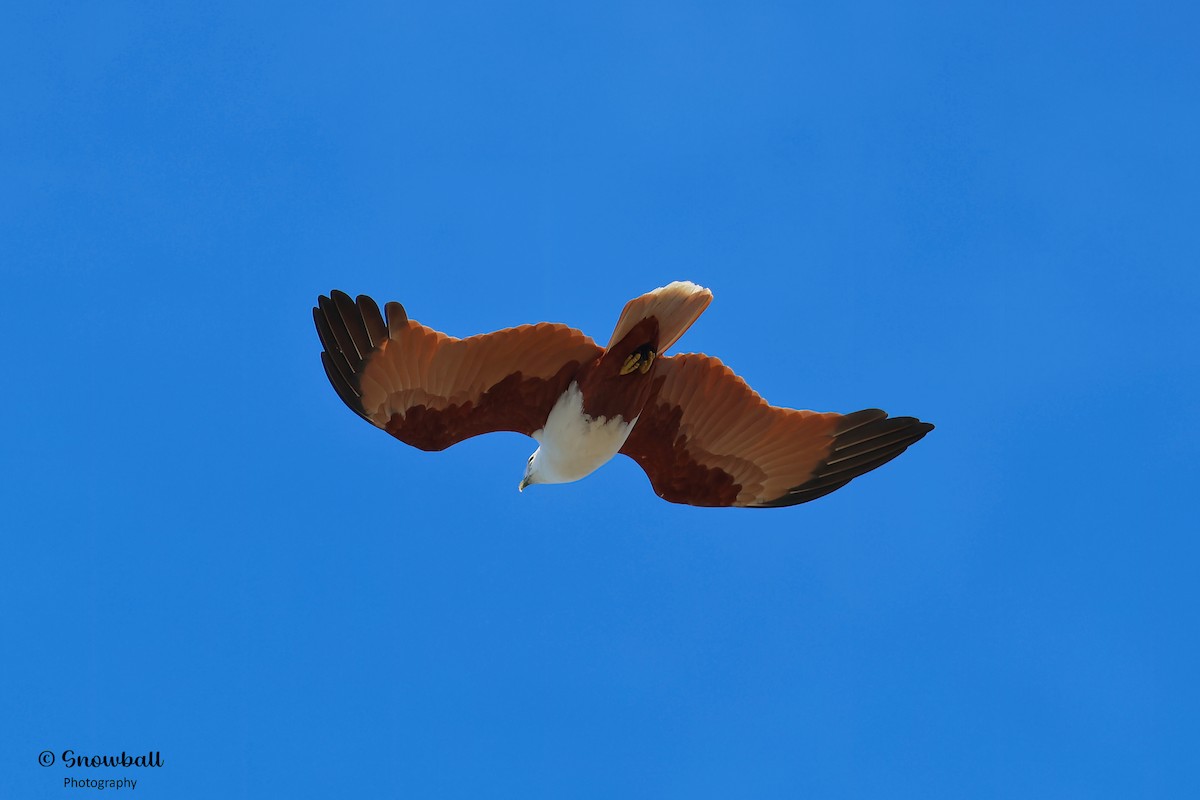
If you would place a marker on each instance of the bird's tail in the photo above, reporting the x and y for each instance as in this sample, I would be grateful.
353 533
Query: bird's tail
676 306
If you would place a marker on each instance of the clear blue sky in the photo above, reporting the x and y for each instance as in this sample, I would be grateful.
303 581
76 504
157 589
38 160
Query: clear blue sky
982 214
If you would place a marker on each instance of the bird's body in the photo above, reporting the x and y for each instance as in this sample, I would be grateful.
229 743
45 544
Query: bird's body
701 434
573 445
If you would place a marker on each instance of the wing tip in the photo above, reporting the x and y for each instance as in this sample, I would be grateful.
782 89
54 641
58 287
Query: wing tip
350 330
863 442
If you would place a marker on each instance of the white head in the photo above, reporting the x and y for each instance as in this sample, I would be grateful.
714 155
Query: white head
532 472
543 468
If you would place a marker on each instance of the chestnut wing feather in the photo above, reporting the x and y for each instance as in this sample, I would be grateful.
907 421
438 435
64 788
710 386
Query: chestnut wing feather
431 390
706 438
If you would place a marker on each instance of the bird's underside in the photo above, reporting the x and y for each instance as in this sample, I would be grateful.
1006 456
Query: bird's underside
701 434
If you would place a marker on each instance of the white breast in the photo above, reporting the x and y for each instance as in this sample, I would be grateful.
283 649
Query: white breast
574 445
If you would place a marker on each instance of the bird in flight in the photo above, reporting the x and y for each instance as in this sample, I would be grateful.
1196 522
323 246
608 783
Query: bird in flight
701 434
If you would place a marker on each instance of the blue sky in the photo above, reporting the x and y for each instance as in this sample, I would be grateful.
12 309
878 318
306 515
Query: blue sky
984 215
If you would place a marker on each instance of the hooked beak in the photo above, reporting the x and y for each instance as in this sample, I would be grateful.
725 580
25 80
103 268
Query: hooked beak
524 482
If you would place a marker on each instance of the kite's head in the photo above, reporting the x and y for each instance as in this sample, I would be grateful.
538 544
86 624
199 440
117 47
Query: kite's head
542 467
531 471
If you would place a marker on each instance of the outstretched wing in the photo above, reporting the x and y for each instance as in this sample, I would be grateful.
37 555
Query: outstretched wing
431 390
705 438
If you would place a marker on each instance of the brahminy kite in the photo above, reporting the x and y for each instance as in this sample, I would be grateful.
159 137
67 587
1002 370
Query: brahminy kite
702 435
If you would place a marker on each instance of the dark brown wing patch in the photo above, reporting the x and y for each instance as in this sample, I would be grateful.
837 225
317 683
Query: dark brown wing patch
431 390
676 471
706 438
